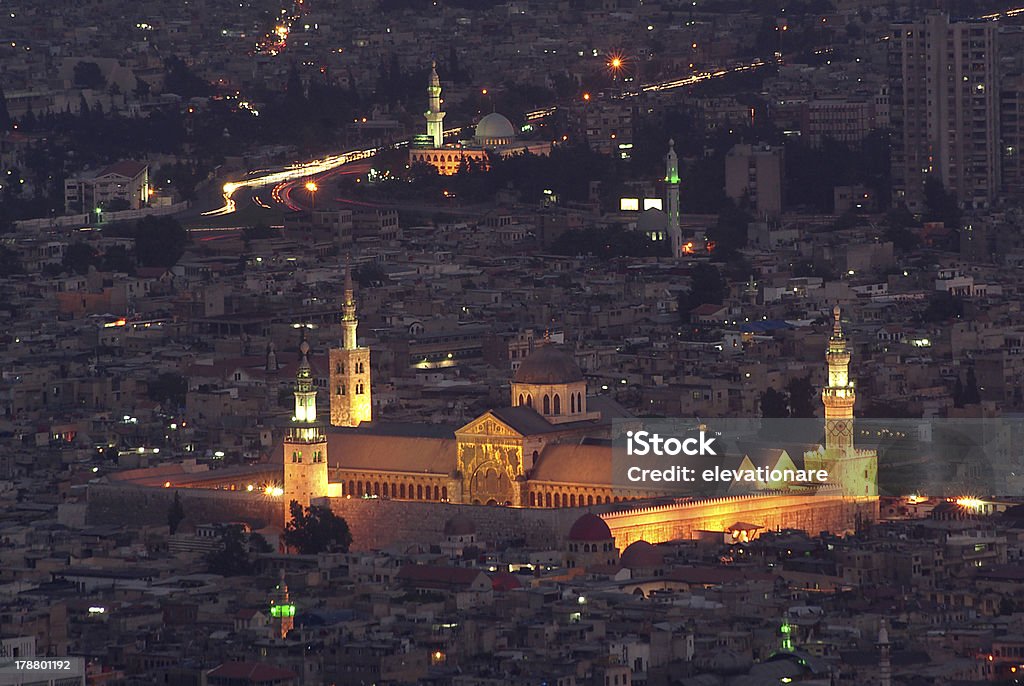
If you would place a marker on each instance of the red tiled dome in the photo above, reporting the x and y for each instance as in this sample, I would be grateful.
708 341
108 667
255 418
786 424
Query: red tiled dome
590 527
548 365
641 554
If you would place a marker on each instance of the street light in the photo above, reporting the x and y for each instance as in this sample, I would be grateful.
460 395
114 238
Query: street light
312 188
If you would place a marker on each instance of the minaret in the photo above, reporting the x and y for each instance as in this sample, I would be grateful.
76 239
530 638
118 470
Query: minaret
884 659
838 396
434 115
350 367
282 612
305 447
675 234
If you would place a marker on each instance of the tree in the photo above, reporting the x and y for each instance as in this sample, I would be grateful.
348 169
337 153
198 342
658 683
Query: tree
169 387
706 286
78 258
941 206
232 557
316 529
159 241
89 75
774 404
971 396
801 397
943 306
175 514
5 116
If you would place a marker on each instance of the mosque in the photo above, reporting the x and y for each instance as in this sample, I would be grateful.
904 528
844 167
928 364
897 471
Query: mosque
494 135
538 458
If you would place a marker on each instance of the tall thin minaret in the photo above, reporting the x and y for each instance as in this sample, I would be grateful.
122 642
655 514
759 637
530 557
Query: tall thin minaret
305 446
675 234
885 658
434 115
282 611
350 367
838 396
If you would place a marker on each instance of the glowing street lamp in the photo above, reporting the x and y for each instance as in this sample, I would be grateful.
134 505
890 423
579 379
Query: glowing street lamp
312 187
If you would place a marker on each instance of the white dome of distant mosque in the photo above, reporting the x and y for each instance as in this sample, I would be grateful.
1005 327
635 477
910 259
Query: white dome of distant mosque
493 130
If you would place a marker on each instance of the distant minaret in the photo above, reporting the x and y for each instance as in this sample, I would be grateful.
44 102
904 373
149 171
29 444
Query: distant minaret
305 447
884 660
675 234
282 612
838 396
434 115
350 367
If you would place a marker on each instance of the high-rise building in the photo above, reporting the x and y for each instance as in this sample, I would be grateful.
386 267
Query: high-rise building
944 109
305 446
350 368
753 177
1011 126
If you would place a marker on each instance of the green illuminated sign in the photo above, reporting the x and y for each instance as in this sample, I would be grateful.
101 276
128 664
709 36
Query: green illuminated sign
282 610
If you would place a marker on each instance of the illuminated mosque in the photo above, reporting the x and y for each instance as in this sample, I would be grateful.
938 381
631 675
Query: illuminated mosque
494 134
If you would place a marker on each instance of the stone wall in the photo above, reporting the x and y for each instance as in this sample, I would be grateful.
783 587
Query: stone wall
123 504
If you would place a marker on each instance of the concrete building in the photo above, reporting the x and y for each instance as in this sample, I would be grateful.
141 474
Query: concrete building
126 180
753 177
944 84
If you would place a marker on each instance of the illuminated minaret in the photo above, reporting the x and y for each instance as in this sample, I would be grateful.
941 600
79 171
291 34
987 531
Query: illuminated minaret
675 234
838 396
434 115
305 447
282 611
350 368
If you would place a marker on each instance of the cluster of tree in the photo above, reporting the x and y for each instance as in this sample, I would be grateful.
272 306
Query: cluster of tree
159 241
707 286
315 530
942 307
798 400
966 393
233 556
607 243
812 172
79 257
168 388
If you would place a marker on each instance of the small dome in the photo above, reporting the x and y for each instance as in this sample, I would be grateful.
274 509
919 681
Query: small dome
640 554
652 219
459 525
548 365
495 129
590 527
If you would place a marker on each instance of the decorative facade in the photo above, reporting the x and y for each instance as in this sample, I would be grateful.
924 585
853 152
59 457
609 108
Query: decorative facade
305 446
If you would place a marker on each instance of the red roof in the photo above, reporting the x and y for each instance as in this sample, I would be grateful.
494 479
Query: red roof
590 527
505 581
440 577
707 309
641 554
255 672
127 168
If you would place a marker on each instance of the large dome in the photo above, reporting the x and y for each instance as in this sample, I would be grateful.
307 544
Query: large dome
590 527
495 129
548 365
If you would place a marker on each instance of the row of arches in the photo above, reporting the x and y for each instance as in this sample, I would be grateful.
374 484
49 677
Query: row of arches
552 405
400 491
562 499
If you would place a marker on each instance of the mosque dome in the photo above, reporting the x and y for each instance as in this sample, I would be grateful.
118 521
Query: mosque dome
652 219
548 365
641 554
495 129
590 527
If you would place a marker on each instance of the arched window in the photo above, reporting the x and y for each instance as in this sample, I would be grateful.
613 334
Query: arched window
572 403
590 500
437 493
444 493
558 500
351 487
419 492
376 488
359 489
535 456
547 499
558 404
401 490
586 547
579 402
547 404
521 399
533 499
529 400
